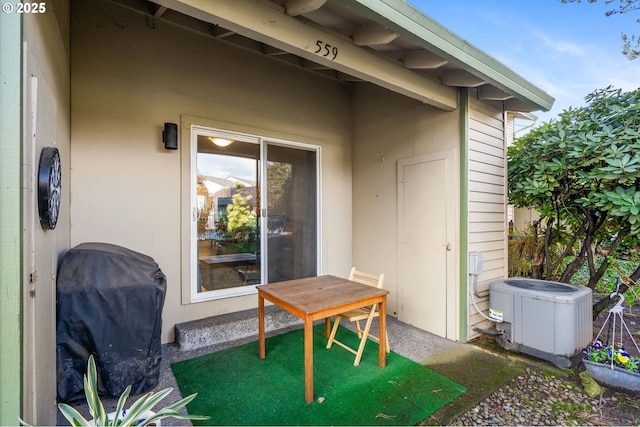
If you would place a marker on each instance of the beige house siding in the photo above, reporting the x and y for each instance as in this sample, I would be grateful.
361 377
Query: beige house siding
509 129
128 79
98 81
47 118
389 127
487 204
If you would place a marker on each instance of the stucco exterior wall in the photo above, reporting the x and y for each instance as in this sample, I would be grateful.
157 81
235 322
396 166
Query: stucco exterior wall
487 203
128 78
387 128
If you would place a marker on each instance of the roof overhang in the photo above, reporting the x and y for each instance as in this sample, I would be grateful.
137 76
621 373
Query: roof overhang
414 25
385 42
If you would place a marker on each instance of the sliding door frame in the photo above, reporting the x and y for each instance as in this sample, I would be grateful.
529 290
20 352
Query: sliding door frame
190 261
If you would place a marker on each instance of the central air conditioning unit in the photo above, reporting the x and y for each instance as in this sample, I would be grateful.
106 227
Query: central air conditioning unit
549 320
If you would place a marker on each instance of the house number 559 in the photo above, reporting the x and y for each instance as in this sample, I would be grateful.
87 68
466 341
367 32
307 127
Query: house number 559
326 49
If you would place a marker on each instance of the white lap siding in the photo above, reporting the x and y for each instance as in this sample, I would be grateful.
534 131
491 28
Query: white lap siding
487 204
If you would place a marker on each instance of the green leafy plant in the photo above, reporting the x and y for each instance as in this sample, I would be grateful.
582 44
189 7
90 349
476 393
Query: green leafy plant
241 218
581 173
138 414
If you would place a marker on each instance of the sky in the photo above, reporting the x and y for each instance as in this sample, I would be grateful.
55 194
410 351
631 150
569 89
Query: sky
567 50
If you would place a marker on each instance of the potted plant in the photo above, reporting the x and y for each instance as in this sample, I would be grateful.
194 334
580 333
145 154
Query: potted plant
613 368
140 413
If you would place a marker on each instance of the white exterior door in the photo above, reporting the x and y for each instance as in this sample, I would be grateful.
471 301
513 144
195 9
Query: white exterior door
426 221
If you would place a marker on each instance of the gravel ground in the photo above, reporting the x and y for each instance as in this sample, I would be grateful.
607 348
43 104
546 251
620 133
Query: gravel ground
536 397
539 399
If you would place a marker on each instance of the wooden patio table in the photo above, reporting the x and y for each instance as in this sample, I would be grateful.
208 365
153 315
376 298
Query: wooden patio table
315 298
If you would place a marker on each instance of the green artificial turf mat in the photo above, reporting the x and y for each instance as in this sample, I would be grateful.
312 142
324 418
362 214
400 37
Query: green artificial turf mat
236 387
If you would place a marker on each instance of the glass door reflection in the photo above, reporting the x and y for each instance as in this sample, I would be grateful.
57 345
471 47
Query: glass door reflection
227 203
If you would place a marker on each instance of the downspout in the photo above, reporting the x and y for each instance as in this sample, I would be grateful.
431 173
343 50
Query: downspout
464 211
10 217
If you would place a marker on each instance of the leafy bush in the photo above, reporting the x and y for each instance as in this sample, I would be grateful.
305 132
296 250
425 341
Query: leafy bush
581 173
607 284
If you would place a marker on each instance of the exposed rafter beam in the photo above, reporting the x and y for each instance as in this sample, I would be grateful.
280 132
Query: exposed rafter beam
272 51
220 33
461 78
492 93
413 25
332 74
372 34
300 7
347 78
310 65
159 11
289 59
515 104
269 25
422 60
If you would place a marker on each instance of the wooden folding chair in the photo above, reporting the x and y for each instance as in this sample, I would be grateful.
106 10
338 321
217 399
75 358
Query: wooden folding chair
367 313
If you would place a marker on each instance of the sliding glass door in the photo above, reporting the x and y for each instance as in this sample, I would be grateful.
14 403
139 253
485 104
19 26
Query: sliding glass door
227 206
292 219
255 212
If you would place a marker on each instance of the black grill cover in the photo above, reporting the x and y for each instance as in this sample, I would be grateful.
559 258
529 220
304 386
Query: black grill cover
109 304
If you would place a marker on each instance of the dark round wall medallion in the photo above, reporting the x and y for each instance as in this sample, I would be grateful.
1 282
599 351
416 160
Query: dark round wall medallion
49 174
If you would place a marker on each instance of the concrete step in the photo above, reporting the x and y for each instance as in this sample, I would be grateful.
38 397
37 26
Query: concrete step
200 333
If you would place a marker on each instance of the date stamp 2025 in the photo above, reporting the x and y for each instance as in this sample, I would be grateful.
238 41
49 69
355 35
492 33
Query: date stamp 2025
22 8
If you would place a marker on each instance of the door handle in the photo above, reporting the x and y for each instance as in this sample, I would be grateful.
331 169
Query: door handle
448 246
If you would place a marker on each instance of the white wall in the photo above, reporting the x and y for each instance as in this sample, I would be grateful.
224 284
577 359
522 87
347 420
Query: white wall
128 79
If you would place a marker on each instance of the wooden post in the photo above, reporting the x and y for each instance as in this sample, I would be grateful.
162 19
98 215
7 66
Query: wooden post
308 359
262 351
382 348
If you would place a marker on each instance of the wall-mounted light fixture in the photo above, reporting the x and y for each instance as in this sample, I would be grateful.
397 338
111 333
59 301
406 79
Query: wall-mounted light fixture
170 136
221 142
